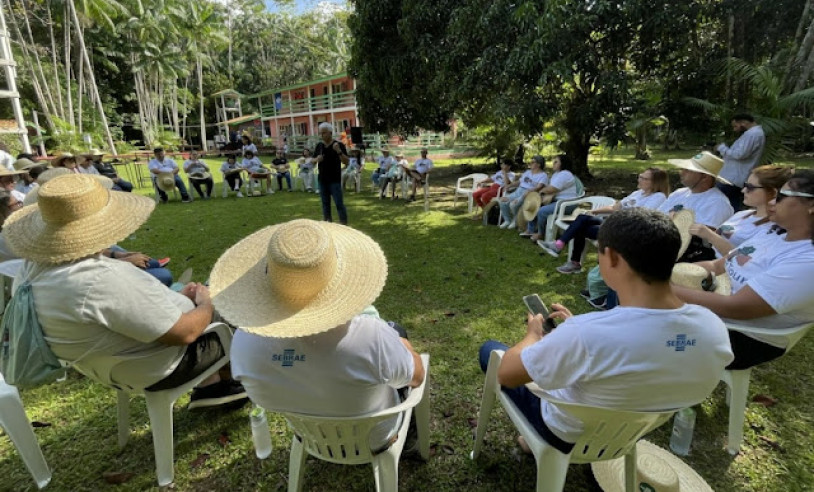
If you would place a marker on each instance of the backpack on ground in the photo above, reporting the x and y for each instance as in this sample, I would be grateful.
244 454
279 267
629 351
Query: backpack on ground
25 357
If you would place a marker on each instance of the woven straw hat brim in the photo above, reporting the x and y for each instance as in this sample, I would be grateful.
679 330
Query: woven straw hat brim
691 165
531 204
4 171
159 180
686 275
24 164
683 219
242 293
200 176
610 475
33 195
33 239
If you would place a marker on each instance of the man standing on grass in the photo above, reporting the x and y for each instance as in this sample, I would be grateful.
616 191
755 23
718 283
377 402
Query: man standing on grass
331 155
653 352
741 157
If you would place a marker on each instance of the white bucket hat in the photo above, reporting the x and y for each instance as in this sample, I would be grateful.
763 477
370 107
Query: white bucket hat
298 278
657 470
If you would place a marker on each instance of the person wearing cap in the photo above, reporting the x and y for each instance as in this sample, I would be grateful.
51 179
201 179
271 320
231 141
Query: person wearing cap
107 169
251 163
770 276
302 344
282 168
653 352
331 156
161 164
699 194
741 157
384 162
532 180
153 339
419 172
198 173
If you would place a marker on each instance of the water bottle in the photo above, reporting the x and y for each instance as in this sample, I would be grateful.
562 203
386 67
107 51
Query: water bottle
683 425
261 436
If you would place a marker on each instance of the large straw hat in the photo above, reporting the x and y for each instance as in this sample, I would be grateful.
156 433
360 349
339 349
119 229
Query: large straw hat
74 217
4 171
704 162
531 204
33 194
165 182
96 152
57 161
298 278
683 219
200 175
24 164
696 277
657 470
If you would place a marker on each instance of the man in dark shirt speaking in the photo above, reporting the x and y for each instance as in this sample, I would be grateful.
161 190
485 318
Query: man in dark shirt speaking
331 155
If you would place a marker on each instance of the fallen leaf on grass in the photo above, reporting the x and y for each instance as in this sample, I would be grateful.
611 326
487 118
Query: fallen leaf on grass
200 460
449 314
446 448
223 439
766 401
433 321
117 478
478 275
772 443
417 290
36 424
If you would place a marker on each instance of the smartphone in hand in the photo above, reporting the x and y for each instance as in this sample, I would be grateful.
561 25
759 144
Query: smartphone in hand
536 305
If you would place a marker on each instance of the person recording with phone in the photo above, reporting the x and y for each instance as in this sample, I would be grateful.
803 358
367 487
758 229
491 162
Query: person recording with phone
653 352
331 155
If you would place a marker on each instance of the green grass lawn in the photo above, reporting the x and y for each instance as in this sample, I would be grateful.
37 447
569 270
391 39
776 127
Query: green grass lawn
453 284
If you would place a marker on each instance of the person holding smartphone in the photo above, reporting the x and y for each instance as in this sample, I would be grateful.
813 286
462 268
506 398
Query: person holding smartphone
653 352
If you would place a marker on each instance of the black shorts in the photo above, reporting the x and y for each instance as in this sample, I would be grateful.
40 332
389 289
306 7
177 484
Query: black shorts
200 356
750 352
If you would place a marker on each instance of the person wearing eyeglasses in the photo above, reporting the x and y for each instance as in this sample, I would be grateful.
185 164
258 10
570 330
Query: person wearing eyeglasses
758 190
770 276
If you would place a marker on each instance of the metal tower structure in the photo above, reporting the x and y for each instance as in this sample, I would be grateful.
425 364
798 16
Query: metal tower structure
10 92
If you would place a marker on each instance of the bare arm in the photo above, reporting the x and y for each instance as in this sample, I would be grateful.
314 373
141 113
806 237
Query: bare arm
192 323
549 190
745 304
718 242
418 372
512 373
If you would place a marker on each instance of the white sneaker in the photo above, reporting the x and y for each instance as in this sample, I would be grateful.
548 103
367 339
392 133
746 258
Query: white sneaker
269 192
504 224
511 225
239 194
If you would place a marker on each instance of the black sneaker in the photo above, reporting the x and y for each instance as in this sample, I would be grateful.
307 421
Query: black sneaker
186 199
586 294
220 393
599 302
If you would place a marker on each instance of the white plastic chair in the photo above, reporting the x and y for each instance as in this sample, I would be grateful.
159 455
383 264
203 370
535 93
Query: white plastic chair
261 183
608 434
159 408
462 189
407 183
224 185
562 205
157 196
595 202
737 381
16 424
346 440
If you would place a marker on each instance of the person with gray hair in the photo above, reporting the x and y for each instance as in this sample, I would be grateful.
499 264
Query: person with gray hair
331 155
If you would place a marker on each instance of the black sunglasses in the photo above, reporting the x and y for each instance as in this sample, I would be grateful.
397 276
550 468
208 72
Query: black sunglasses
751 187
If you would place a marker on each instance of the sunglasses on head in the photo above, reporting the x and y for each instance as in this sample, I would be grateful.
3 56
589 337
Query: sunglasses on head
751 187
782 194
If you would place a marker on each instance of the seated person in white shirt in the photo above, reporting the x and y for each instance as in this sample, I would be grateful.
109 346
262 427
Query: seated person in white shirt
710 205
232 174
384 161
354 167
109 170
563 186
758 190
394 175
421 169
32 171
628 358
257 170
771 276
198 173
8 182
302 345
160 164
112 321
305 170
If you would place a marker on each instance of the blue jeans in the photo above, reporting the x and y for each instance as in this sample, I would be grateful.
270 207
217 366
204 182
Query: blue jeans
375 177
584 227
527 402
280 176
153 268
179 183
515 201
328 191
122 185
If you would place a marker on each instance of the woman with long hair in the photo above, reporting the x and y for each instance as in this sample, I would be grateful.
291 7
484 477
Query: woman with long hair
653 188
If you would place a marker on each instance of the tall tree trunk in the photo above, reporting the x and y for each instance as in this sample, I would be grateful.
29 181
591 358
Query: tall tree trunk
199 64
805 74
44 80
80 88
800 58
57 83
94 89
69 89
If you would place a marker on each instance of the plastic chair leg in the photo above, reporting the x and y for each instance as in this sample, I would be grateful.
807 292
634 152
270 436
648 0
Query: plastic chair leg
296 465
426 197
15 422
487 403
386 472
159 408
630 471
739 383
552 468
422 421
123 417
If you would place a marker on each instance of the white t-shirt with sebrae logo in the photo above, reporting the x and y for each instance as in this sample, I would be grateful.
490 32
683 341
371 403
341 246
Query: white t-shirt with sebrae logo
342 372
628 358
781 273
711 207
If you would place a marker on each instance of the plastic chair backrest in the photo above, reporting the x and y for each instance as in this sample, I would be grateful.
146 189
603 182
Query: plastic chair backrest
793 334
608 433
580 187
